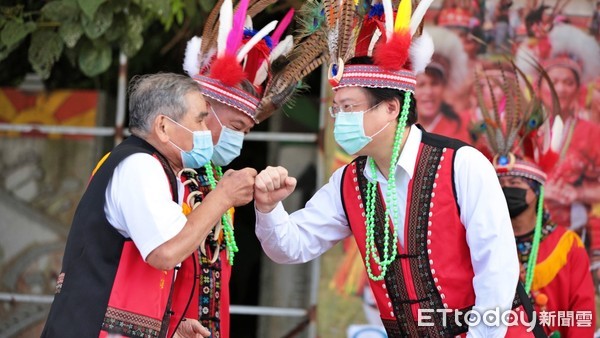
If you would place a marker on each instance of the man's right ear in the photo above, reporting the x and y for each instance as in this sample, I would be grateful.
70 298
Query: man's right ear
160 127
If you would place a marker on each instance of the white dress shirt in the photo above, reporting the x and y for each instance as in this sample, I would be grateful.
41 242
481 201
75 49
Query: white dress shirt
309 232
139 203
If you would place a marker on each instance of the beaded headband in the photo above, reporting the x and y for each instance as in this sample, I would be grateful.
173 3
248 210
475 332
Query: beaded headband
373 76
509 165
564 61
231 96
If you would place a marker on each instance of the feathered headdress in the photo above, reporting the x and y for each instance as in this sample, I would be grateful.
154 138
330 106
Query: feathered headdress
511 125
569 47
308 54
573 49
449 56
393 41
231 52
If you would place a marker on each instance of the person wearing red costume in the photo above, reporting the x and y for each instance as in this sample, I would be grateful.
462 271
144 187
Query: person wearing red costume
572 165
232 65
447 69
422 208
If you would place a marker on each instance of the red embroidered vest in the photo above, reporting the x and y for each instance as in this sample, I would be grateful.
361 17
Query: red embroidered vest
428 273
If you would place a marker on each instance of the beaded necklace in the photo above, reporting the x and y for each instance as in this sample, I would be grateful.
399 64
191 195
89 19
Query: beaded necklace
535 245
391 197
226 222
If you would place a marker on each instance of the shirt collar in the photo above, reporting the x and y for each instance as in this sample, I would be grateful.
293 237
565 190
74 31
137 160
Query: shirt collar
408 156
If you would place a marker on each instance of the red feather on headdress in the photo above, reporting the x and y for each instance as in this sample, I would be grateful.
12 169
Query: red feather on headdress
227 70
393 54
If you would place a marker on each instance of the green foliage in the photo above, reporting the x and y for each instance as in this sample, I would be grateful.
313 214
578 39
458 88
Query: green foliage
88 32
46 47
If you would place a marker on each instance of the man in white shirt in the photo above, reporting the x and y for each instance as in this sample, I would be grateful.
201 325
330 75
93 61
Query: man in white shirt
426 211
131 256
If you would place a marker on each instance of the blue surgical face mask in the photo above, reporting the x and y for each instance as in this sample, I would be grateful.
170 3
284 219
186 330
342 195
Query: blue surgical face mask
229 145
349 131
201 151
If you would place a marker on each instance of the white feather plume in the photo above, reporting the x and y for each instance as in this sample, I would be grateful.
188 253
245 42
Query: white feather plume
569 39
248 23
284 47
374 39
420 52
556 134
525 60
388 11
255 39
448 45
191 61
225 25
418 15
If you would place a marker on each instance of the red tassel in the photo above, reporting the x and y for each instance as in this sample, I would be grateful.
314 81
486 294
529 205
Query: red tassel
393 55
227 70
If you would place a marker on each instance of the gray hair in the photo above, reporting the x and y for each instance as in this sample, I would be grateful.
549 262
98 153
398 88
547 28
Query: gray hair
154 94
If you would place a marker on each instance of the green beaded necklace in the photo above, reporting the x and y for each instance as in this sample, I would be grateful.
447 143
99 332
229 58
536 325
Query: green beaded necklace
391 211
226 218
535 244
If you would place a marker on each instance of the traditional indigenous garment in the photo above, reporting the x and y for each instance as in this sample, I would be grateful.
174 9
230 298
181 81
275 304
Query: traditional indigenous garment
439 191
564 141
232 63
562 282
555 268
123 295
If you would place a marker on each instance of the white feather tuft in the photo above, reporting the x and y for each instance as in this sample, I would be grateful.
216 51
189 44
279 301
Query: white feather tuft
556 134
284 47
374 39
248 23
420 52
225 25
568 39
388 11
418 15
191 62
448 45
255 39
525 60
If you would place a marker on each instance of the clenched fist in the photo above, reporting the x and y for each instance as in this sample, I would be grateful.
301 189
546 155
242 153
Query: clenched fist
271 186
238 186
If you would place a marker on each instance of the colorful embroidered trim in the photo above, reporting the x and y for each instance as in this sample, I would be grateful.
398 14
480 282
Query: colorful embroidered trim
373 76
130 324
230 96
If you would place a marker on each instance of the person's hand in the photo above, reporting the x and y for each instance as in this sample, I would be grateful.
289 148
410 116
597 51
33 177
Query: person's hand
271 186
191 328
238 186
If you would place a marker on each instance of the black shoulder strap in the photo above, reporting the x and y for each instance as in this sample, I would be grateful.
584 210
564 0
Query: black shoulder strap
129 146
538 331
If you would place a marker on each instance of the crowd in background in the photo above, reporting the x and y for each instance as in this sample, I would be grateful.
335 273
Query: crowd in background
534 36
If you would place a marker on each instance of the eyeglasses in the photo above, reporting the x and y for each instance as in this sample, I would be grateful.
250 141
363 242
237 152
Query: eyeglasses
346 108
